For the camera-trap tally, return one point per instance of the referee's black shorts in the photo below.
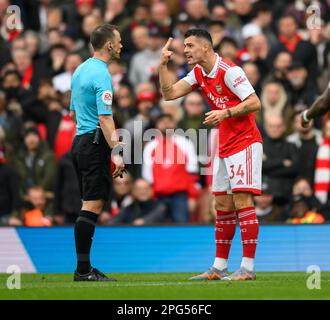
(92, 165)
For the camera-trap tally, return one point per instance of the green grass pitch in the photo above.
(163, 286)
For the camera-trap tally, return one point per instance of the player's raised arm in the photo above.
(318, 108)
(170, 90)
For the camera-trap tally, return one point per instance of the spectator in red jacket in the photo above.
(61, 129)
(170, 165)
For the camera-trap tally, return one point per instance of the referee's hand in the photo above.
(119, 166)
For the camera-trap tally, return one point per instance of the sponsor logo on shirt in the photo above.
(107, 98)
(239, 81)
(219, 102)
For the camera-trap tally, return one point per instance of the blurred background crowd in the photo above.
(283, 47)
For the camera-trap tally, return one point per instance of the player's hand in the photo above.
(304, 124)
(119, 166)
(214, 117)
(166, 53)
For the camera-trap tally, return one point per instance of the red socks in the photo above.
(224, 232)
(249, 225)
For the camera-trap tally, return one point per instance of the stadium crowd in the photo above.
(283, 47)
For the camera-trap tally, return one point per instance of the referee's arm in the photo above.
(109, 131)
(73, 115)
(72, 109)
(104, 95)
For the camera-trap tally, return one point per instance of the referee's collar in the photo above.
(97, 59)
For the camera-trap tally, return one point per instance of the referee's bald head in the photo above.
(102, 34)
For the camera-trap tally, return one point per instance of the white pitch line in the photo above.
(144, 284)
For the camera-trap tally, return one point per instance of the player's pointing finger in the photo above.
(168, 43)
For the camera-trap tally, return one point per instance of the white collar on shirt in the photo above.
(213, 72)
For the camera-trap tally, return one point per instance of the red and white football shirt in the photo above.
(171, 166)
(225, 87)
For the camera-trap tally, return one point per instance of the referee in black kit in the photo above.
(96, 140)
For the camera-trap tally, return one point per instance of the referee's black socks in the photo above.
(83, 232)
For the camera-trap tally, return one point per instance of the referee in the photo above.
(96, 140)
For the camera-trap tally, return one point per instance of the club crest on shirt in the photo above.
(218, 87)
(107, 97)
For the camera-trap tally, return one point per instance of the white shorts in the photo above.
(240, 172)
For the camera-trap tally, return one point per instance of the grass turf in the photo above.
(165, 286)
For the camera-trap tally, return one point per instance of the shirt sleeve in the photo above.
(191, 79)
(104, 93)
(237, 81)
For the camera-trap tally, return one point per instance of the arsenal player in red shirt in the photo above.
(237, 167)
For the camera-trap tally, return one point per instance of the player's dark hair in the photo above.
(199, 33)
(102, 34)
